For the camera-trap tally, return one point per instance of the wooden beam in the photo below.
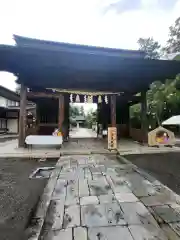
(61, 111)
(113, 110)
(22, 116)
(42, 95)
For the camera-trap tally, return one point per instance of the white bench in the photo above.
(43, 140)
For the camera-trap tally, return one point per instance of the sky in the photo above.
(107, 23)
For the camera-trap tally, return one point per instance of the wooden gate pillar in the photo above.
(66, 117)
(144, 123)
(112, 132)
(113, 110)
(99, 109)
(22, 116)
(61, 112)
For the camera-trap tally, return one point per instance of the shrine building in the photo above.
(53, 74)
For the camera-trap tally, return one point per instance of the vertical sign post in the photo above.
(112, 131)
(112, 138)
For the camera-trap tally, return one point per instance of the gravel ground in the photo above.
(19, 195)
(164, 166)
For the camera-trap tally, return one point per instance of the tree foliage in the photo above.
(163, 99)
(150, 47)
(135, 116)
(74, 111)
(173, 43)
(91, 118)
(81, 111)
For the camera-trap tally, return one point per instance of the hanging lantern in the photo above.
(77, 98)
(106, 99)
(99, 99)
(85, 99)
(71, 98)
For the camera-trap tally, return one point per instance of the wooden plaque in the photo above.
(112, 138)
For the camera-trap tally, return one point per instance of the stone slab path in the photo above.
(82, 133)
(81, 146)
(96, 197)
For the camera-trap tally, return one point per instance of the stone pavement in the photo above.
(82, 133)
(96, 197)
(128, 146)
(78, 146)
(10, 149)
(6, 137)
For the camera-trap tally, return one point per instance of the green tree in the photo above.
(91, 118)
(163, 100)
(74, 111)
(152, 50)
(173, 43)
(81, 111)
(156, 102)
(135, 115)
(150, 47)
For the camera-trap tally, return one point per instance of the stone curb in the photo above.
(137, 152)
(124, 160)
(87, 153)
(75, 153)
(38, 219)
(56, 155)
(121, 152)
(143, 173)
(15, 155)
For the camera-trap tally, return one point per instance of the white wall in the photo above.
(12, 125)
(3, 102)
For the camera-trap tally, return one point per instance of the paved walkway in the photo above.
(82, 133)
(78, 146)
(10, 149)
(96, 197)
(6, 137)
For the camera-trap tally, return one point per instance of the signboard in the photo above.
(161, 137)
(112, 138)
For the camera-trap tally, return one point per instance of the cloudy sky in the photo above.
(108, 23)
